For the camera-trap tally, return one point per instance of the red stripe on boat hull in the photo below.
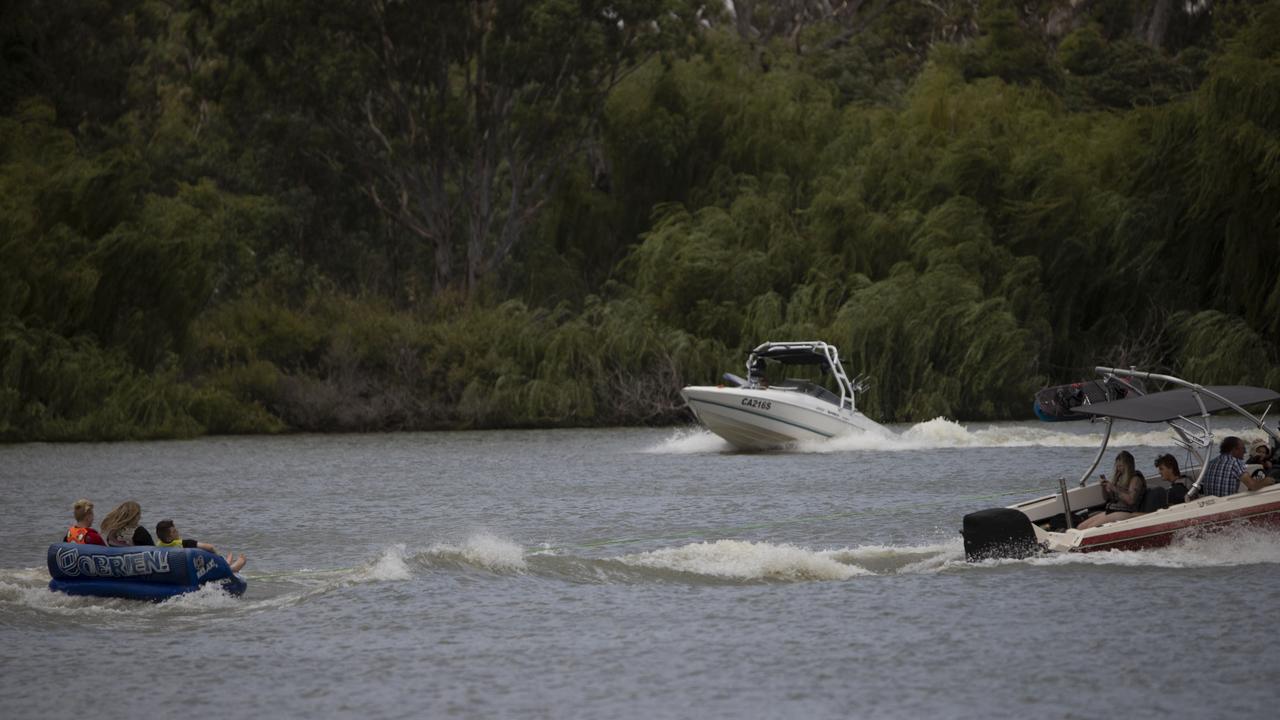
(1161, 535)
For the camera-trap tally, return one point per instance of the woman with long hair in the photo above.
(123, 526)
(1123, 493)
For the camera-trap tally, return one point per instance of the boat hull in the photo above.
(995, 535)
(1157, 529)
(762, 419)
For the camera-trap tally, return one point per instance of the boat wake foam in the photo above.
(939, 433)
(691, 441)
(28, 589)
(482, 550)
(1216, 548)
(720, 562)
(741, 560)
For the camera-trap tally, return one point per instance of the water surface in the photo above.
(628, 573)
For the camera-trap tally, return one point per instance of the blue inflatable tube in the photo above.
(140, 572)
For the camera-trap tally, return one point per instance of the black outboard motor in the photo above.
(998, 533)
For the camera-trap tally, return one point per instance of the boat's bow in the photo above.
(753, 418)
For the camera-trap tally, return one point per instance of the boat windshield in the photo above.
(809, 388)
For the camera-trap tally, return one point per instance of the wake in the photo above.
(712, 562)
(932, 435)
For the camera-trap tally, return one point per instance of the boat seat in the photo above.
(1155, 498)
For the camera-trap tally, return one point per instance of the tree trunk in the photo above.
(1156, 25)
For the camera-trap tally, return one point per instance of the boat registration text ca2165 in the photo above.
(759, 404)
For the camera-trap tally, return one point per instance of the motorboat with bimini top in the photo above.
(1048, 524)
(756, 414)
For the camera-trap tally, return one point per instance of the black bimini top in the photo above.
(1173, 404)
(793, 355)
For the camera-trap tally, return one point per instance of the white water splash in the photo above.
(29, 588)
(210, 596)
(902, 560)
(15, 592)
(690, 441)
(390, 565)
(486, 551)
(942, 433)
(1225, 547)
(741, 560)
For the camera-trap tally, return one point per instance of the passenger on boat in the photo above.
(1124, 495)
(1261, 455)
(167, 536)
(123, 526)
(82, 531)
(1225, 473)
(1167, 466)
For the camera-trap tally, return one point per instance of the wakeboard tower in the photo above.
(1048, 524)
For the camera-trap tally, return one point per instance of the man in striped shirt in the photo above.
(1226, 472)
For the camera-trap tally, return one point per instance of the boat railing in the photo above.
(847, 389)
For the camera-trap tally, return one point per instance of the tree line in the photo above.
(231, 216)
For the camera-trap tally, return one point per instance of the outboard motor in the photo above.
(998, 533)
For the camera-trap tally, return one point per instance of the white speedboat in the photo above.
(1047, 524)
(756, 414)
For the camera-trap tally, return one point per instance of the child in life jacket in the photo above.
(167, 536)
(82, 531)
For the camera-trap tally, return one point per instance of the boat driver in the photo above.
(1226, 473)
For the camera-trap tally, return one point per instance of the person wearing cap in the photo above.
(1226, 473)
(1261, 455)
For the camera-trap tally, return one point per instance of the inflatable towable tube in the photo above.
(140, 572)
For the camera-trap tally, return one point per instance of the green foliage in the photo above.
(1121, 74)
(1217, 345)
(59, 389)
(245, 217)
(1009, 48)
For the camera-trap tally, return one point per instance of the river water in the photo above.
(625, 573)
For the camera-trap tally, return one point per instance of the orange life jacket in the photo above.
(77, 534)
